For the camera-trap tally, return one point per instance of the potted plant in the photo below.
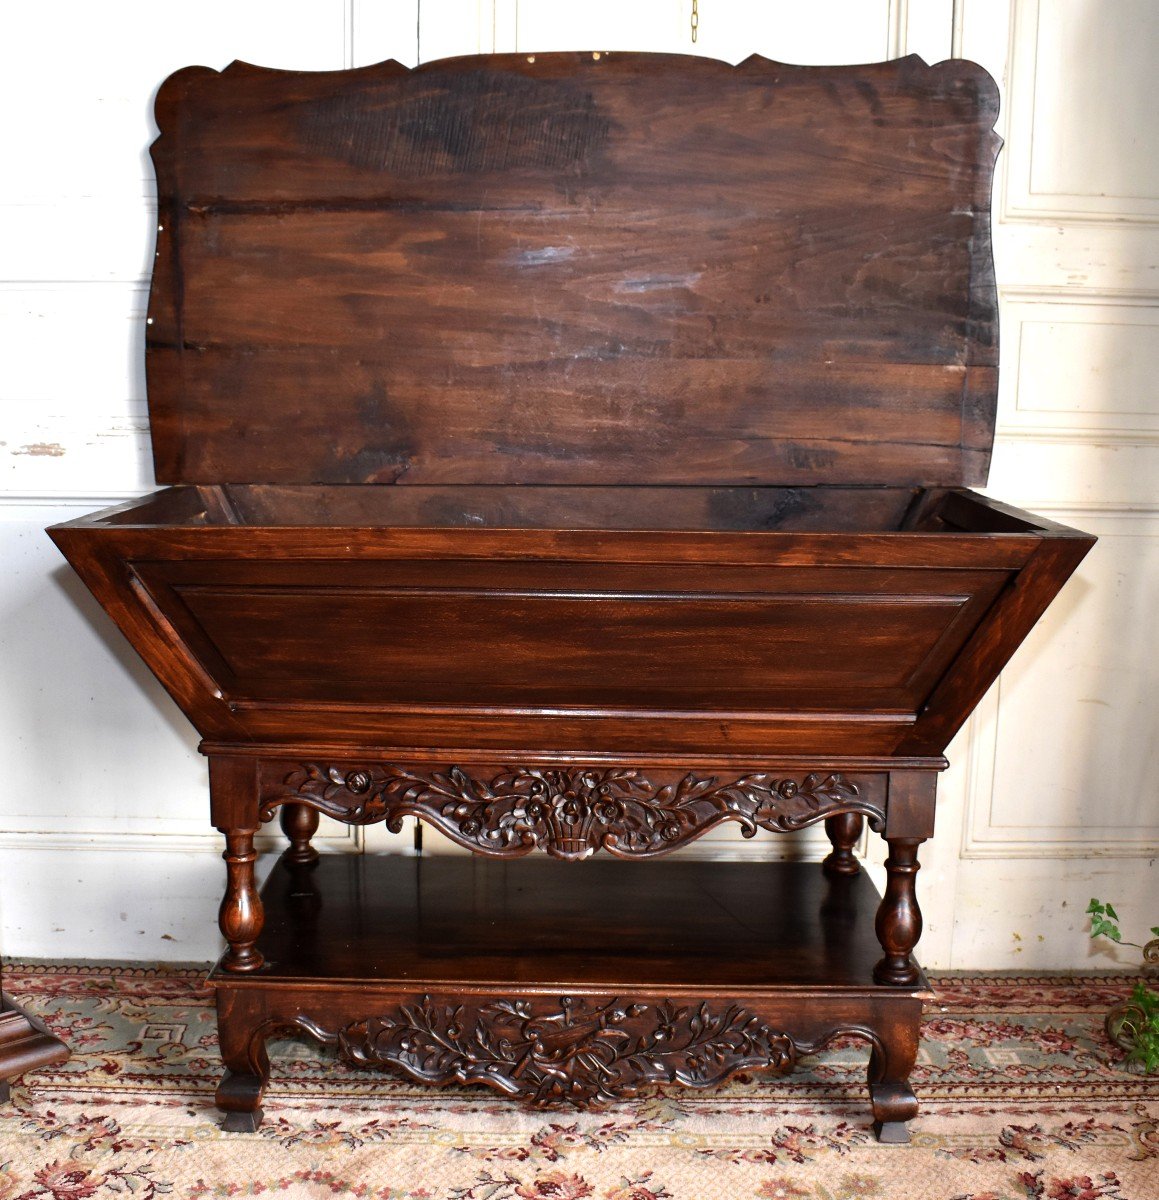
(1133, 1025)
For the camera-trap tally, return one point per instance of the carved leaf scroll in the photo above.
(570, 812)
(584, 1051)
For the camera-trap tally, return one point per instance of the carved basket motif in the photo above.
(568, 812)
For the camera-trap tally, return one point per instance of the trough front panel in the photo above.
(527, 635)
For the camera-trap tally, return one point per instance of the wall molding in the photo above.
(1072, 842)
(982, 840)
(1100, 508)
(1118, 331)
(211, 842)
(1019, 201)
(1079, 436)
(897, 21)
(89, 500)
(1077, 294)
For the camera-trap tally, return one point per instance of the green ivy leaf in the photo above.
(1095, 907)
(1111, 913)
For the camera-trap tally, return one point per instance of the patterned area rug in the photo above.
(1022, 1097)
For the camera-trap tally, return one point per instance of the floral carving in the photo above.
(568, 811)
(582, 1050)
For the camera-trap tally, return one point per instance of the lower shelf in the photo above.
(577, 983)
(453, 920)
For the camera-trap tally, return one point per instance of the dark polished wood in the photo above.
(571, 637)
(447, 920)
(467, 970)
(299, 823)
(570, 812)
(844, 831)
(25, 1044)
(564, 269)
(232, 797)
(572, 454)
(899, 919)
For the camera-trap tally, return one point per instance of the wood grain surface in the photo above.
(637, 269)
(580, 621)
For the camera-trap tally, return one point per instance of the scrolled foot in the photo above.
(239, 1096)
(247, 1066)
(894, 1102)
(891, 1133)
(242, 1122)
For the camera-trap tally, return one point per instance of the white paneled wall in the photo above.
(1053, 793)
(105, 843)
(1058, 770)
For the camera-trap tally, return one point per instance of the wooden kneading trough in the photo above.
(573, 453)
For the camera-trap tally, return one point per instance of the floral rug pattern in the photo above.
(1022, 1098)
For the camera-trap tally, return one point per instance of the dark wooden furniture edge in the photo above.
(1004, 628)
(587, 1040)
(25, 1044)
(997, 536)
(631, 1039)
(951, 509)
(928, 131)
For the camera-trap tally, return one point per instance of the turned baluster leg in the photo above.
(299, 824)
(844, 830)
(234, 803)
(909, 820)
(899, 919)
(240, 916)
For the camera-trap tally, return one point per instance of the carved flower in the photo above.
(571, 809)
(787, 789)
(555, 1186)
(358, 782)
(69, 1179)
(470, 827)
(607, 811)
(535, 811)
(670, 831)
(665, 1031)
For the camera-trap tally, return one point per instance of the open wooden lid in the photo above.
(575, 268)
